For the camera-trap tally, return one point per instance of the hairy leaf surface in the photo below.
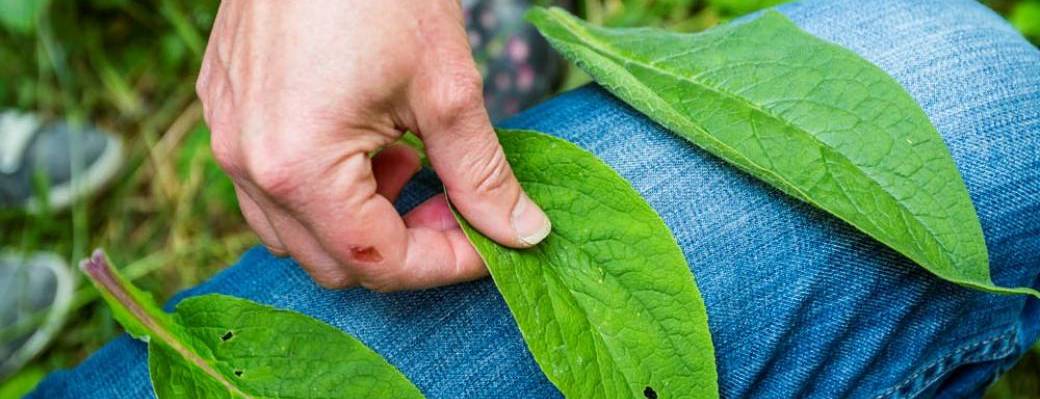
(606, 304)
(216, 346)
(806, 116)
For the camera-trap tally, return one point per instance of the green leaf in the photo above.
(1026, 18)
(806, 116)
(606, 304)
(216, 346)
(23, 382)
(741, 7)
(413, 141)
(20, 16)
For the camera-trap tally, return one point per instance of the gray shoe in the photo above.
(35, 294)
(28, 147)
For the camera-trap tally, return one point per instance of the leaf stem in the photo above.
(151, 325)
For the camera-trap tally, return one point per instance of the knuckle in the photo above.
(202, 82)
(274, 174)
(225, 152)
(273, 167)
(210, 81)
(224, 132)
(460, 94)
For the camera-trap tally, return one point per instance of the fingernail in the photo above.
(278, 252)
(530, 223)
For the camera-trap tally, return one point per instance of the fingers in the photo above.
(271, 223)
(360, 229)
(366, 236)
(464, 150)
(327, 208)
(433, 214)
(438, 251)
(437, 258)
(295, 115)
(333, 213)
(307, 250)
(259, 222)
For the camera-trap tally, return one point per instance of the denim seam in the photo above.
(939, 368)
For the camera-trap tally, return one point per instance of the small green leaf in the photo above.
(606, 304)
(1026, 18)
(806, 116)
(413, 141)
(20, 16)
(216, 346)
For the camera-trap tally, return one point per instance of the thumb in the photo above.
(464, 151)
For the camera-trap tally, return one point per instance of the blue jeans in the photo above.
(799, 303)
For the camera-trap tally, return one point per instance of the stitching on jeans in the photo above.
(940, 370)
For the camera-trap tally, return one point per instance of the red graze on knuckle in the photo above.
(365, 254)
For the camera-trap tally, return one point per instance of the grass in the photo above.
(171, 218)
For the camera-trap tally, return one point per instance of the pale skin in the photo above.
(299, 93)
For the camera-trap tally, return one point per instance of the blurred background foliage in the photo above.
(171, 219)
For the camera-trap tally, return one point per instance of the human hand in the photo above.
(299, 93)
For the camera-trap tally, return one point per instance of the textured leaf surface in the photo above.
(806, 116)
(606, 304)
(216, 346)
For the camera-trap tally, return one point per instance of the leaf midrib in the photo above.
(550, 272)
(570, 292)
(650, 214)
(167, 338)
(605, 49)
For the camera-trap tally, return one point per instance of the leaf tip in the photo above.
(539, 15)
(536, 16)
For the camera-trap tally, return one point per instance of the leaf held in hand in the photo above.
(806, 116)
(216, 346)
(606, 303)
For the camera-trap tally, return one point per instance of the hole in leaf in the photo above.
(227, 336)
(650, 393)
(238, 373)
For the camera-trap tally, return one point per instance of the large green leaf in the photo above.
(806, 116)
(216, 346)
(606, 303)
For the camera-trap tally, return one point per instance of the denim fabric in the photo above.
(799, 303)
